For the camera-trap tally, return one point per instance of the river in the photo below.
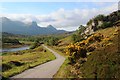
(14, 49)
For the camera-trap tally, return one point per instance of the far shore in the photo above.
(14, 45)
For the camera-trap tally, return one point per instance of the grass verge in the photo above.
(64, 71)
(56, 50)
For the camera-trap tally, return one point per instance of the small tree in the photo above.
(81, 29)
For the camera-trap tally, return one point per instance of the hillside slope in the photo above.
(104, 61)
(101, 62)
(97, 55)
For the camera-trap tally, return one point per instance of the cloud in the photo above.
(64, 19)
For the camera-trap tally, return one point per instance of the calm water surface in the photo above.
(14, 49)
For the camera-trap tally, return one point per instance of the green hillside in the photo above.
(96, 56)
(102, 62)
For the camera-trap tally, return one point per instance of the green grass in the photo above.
(108, 32)
(27, 59)
(64, 71)
(55, 48)
(65, 41)
(27, 42)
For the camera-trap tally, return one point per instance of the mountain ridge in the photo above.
(18, 27)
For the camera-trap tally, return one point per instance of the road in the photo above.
(46, 70)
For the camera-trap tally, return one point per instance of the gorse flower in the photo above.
(79, 49)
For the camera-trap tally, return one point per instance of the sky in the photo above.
(62, 15)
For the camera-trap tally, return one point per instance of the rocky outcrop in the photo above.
(101, 22)
(91, 28)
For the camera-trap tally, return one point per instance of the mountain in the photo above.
(18, 27)
(50, 27)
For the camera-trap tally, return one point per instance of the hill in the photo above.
(101, 59)
(18, 27)
(96, 56)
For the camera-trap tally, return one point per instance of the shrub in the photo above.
(35, 44)
(16, 63)
(100, 17)
(83, 53)
(5, 67)
(90, 39)
(45, 50)
(90, 48)
(79, 49)
(98, 37)
(93, 38)
(106, 24)
(81, 29)
(76, 51)
(71, 59)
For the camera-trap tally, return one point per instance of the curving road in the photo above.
(46, 70)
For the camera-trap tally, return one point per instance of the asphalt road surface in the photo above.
(46, 70)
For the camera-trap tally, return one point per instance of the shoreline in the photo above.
(9, 46)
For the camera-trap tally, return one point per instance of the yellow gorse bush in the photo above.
(79, 49)
(93, 38)
(76, 50)
(106, 39)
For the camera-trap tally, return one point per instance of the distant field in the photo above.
(17, 62)
(27, 42)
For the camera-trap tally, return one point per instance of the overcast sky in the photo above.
(62, 15)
